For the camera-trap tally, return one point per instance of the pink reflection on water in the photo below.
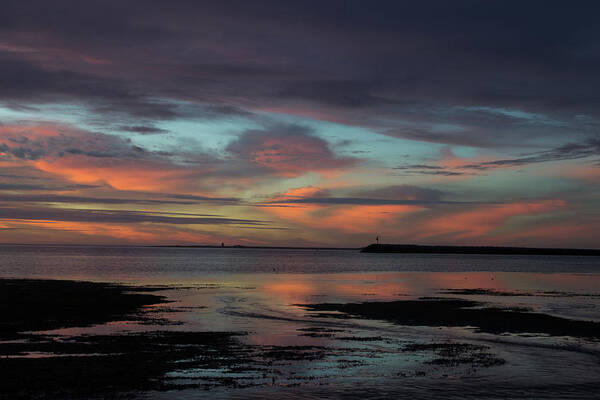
(369, 286)
(265, 304)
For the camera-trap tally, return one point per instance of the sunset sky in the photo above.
(307, 123)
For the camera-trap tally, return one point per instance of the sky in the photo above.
(304, 123)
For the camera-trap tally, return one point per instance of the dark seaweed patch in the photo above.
(494, 292)
(34, 305)
(452, 354)
(360, 338)
(107, 364)
(462, 313)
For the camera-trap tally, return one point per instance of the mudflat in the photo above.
(458, 312)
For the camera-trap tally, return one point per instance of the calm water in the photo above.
(259, 291)
(182, 264)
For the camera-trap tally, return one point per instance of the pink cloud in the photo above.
(287, 151)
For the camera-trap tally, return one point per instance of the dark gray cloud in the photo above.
(442, 172)
(144, 130)
(23, 81)
(389, 195)
(406, 192)
(569, 151)
(24, 153)
(23, 142)
(426, 169)
(367, 201)
(336, 93)
(195, 198)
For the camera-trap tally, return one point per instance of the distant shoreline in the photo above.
(206, 246)
(414, 248)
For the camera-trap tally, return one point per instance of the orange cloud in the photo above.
(301, 192)
(478, 222)
(89, 158)
(129, 233)
(121, 174)
(346, 218)
(30, 131)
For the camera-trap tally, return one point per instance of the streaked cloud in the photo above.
(117, 216)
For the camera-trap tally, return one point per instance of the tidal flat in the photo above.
(305, 336)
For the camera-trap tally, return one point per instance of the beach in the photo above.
(254, 334)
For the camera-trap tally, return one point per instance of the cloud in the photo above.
(570, 151)
(300, 193)
(425, 169)
(388, 195)
(341, 218)
(27, 187)
(476, 223)
(95, 158)
(287, 150)
(195, 198)
(35, 141)
(364, 201)
(121, 174)
(23, 81)
(409, 76)
(144, 130)
(50, 198)
(318, 209)
(336, 93)
(21, 152)
(404, 192)
(118, 217)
